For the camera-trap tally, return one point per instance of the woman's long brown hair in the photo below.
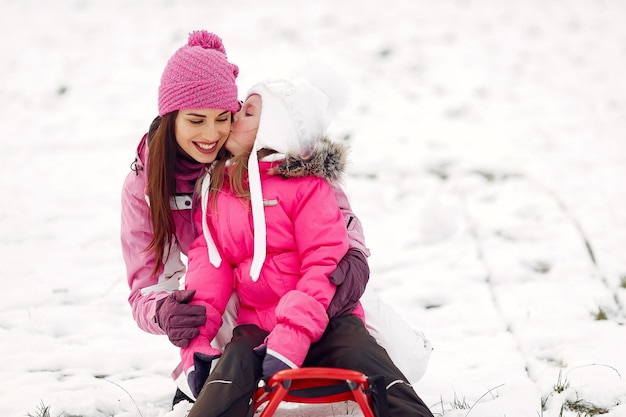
(161, 186)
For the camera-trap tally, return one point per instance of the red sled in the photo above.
(314, 386)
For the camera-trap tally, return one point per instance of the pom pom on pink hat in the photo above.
(199, 76)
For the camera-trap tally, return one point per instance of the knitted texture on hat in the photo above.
(294, 113)
(199, 76)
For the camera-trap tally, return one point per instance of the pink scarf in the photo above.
(187, 172)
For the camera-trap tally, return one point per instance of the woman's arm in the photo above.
(352, 222)
(136, 234)
(352, 273)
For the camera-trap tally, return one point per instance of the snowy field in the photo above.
(488, 166)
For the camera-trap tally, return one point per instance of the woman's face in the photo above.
(202, 132)
(245, 126)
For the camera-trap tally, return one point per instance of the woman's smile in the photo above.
(206, 147)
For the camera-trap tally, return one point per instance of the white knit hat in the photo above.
(294, 114)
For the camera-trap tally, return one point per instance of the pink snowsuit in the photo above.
(306, 238)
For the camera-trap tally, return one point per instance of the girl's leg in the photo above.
(230, 386)
(347, 344)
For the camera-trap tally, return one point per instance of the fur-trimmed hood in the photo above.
(326, 159)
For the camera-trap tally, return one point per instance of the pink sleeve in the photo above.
(213, 288)
(321, 238)
(213, 285)
(136, 234)
(353, 224)
(322, 241)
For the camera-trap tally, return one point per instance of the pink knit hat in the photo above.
(198, 76)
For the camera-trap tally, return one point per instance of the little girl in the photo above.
(272, 231)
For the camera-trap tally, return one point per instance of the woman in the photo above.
(271, 230)
(158, 201)
(157, 196)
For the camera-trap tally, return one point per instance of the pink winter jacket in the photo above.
(306, 238)
(136, 234)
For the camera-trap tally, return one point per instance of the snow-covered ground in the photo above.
(488, 163)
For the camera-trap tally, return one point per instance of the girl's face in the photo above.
(245, 126)
(202, 132)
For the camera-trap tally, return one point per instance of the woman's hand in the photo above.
(350, 277)
(179, 319)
